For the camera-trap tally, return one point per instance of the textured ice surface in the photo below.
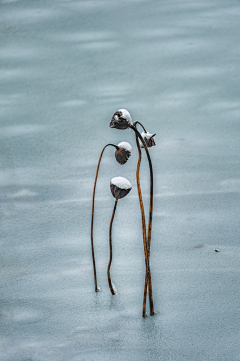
(65, 67)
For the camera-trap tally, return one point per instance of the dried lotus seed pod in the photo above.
(123, 152)
(121, 119)
(120, 187)
(148, 139)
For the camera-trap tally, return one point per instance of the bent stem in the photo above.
(137, 122)
(148, 241)
(92, 218)
(110, 250)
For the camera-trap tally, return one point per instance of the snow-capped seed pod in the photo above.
(148, 139)
(120, 187)
(121, 119)
(123, 152)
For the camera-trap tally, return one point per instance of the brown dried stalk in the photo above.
(147, 241)
(93, 198)
(110, 250)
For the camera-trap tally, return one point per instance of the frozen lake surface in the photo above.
(65, 68)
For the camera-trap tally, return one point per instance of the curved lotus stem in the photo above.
(93, 198)
(148, 241)
(110, 250)
(137, 122)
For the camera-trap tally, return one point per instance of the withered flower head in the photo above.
(121, 119)
(120, 187)
(123, 152)
(148, 139)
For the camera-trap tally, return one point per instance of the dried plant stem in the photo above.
(148, 281)
(92, 218)
(148, 241)
(110, 250)
(137, 122)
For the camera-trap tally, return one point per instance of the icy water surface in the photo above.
(65, 68)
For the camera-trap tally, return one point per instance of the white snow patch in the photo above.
(24, 193)
(125, 145)
(121, 182)
(126, 115)
(144, 135)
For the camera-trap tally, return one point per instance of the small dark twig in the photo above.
(110, 250)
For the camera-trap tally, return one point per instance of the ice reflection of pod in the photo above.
(120, 187)
(122, 153)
